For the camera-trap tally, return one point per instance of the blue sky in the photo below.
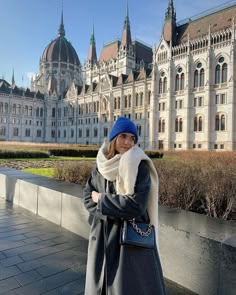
(28, 26)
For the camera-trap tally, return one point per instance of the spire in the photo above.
(169, 28)
(61, 31)
(126, 34)
(13, 79)
(170, 12)
(92, 54)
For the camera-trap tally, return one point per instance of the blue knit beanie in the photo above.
(123, 125)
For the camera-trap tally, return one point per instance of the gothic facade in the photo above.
(180, 94)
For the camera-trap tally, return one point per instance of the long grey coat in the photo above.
(124, 270)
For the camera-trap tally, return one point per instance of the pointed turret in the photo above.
(126, 40)
(61, 31)
(13, 84)
(169, 29)
(170, 12)
(92, 54)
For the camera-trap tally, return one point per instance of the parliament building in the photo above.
(180, 94)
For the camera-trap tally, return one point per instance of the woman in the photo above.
(123, 185)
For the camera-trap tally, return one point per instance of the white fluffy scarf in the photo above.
(124, 169)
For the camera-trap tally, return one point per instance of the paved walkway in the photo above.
(39, 257)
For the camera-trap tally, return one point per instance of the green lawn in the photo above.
(49, 172)
(49, 159)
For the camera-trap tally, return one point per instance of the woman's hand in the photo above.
(95, 196)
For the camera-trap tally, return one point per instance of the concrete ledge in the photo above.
(228, 267)
(74, 216)
(194, 252)
(197, 252)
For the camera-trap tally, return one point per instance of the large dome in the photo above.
(60, 50)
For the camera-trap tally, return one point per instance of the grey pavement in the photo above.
(39, 257)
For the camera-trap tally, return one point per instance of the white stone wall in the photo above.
(145, 112)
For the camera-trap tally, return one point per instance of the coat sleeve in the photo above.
(89, 204)
(128, 206)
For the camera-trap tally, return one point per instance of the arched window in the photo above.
(105, 131)
(221, 71)
(87, 132)
(195, 124)
(199, 76)
(86, 109)
(195, 84)
(141, 99)
(177, 83)
(159, 125)
(176, 125)
(95, 132)
(37, 112)
(160, 85)
(30, 111)
(104, 102)
(217, 123)
(217, 74)
(53, 133)
(180, 125)
(27, 132)
(200, 124)
(53, 112)
(6, 107)
(136, 100)
(182, 81)
(224, 73)
(18, 109)
(118, 103)
(222, 122)
(2, 131)
(15, 131)
(129, 101)
(149, 97)
(80, 132)
(179, 80)
(126, 101)
(14, 109)
(202, 72)
(165, 85)
(139, 130)
(163, 126)
(26, 111)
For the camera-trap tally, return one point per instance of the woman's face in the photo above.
(124, 141)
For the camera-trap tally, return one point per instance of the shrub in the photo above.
(154, 154)
(73, 153)
(200, 182)
(6, 154)
(76, 172)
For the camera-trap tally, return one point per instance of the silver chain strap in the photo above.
(139, 230)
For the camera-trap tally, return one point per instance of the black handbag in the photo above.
(137, 234)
